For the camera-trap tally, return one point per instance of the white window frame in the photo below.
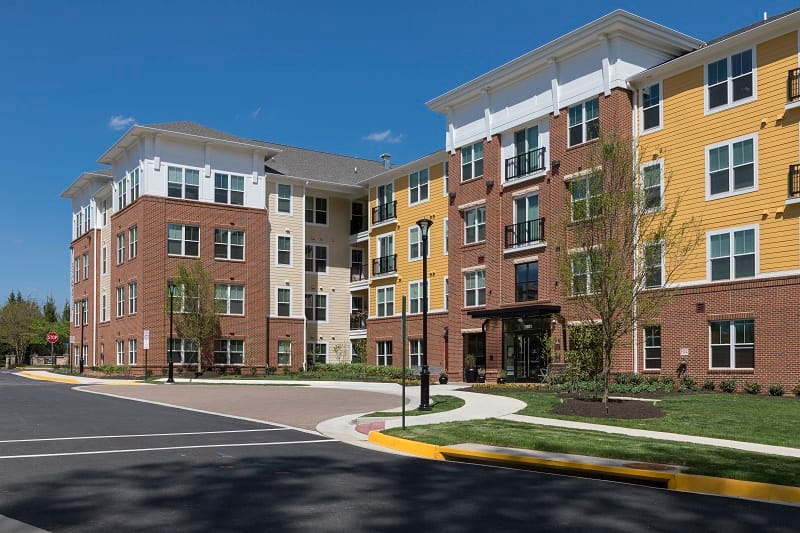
(104, 307)
(120, 352)
(645, 339)
(588, 179)
(445, 235)
(732, 345)
(120, 301)
(183, 241)
(415, 239)
(315, 307)
(731, 252)
(120, 248)
(731, 191)
(179, 349)
(76, 270)
(416, 303)
(85, 311)
(278, 250)
(314, 248)
(585, 275)
(315, 351)
(383, 353)
(473, 161)
(104, 259)
(446, 292)
(132, 347)
(414, 352)
(583, 122)
(316, 211)
(643, 170)
(226, 345)
(133, 242)
(183, 183)
(661, 263)
(133, 297)
(387, 302)
(288, 353)
(227, 233)
(729, 81)
(278, 198)
(278, 291)
(134, 177)
(659, 105)
(476, 226)
(419, 182)
(446, 178)
(477, 289)
(85, 260)
(227, 188)
(227, 299)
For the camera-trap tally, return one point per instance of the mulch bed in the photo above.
(590, 408)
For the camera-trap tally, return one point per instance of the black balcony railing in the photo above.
(793, 85)
(526, 163)
(358, 223)
(384, 265)
(524, 233)
(384, 212)
(358, 320)
(358, 273)
(794, 181)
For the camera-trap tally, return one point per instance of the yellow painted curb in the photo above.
(675, 481)
(50, 378)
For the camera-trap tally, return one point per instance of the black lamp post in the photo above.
(171, 288)
(425, 387)
(83, 325)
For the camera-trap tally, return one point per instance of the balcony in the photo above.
(524, 164)
(525, 233)
(793, 86)
(384, 265)
(384, 212)
(794, 181)
(358, 223)
(358, 320)
(358, 273)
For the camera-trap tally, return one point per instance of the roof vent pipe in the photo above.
(386, 161)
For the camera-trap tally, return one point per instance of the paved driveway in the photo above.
(297, 406)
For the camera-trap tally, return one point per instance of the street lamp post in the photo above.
(83, 324)
(171, 288)
(425, 375)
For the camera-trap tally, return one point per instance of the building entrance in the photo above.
(525, 343)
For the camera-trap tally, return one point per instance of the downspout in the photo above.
(268, 270)
(303, 292)
(94, 298)
(635, 129)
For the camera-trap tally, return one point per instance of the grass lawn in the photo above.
(700, 460)
(743, 417)
(439, 404)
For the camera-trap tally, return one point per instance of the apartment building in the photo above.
(518, 138)
(718, 131)
(398, 198)
(265, 220)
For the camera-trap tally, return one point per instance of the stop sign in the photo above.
(52, 337)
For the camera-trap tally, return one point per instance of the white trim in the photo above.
(729, 82)
(729, 143)
(291, 198)
(445, 236)
(319, 292)
(314, 246)
(648, 164)
(582, 173)
(471, 205)
(277, 301)
(420, 200)
(291, 255)
(640, 111)
(327, 210)
(731, 231)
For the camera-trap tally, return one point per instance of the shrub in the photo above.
(727, 385)
(668, 383)
(709, 385)
(752, 387)
(629, 378)
(776, 389)
(688, 383)
(796, 390)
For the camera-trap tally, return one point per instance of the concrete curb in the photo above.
(669, 480)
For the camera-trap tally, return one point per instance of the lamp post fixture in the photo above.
(171, 288)
(425, 387)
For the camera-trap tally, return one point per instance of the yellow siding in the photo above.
(686, 133)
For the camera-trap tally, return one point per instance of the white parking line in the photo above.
(134, 450)
(142, 435)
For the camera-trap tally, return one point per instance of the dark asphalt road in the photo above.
(289, 480)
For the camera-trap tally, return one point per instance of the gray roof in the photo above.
(322, 166)
(192, 128)
(752, 26)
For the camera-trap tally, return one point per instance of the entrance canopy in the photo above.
(532, 310)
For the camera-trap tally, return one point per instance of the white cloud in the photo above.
(119, 122)
(384, 136)
(255, 113)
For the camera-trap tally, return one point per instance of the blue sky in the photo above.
(349, 77)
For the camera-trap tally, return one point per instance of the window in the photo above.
(475, 288)
(87, 218)
(187, 301)
(228, 244)
(418, 186)
(120, 301)
(583, 264)
(228, 189)
(85, 266)
(85, 312)
(76, 277)
(472, 161)
(228, 352)
(652, 177)
(446, 177)
(731, 167)
(385, 209)
(132, 345)
(414, 352)
(386, 261)
(184, 352)
(316, 210)
(526, 279)
(316, 258)
(78, 224)
(229, 299)
(76, 314)
(284, 198)
(415, 297)
(742, 262)
(316, 307)
(446, 293)
(284, 250)
(446, 236)
(651, 107)
(586, 197)
(104, 307)
(105, 213)
(653, 264)
(183, 240)
(284, 353)
(122, 193)
(528, 227)
(528, 157)
(133, 295)
(475, 225)
(134, 186)
(316, 352)
(584, 122)
(284, 301)
(104, 259)
(133, 247)
(183, 183)
(729, 80)
(120, 248)
(652, 347)
(415, 243)
(120, 353)
(732, 344)
(384, 298)
(384, 353)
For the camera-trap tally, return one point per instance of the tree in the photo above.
(616, 235)
(17, 319)
(195, 312)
